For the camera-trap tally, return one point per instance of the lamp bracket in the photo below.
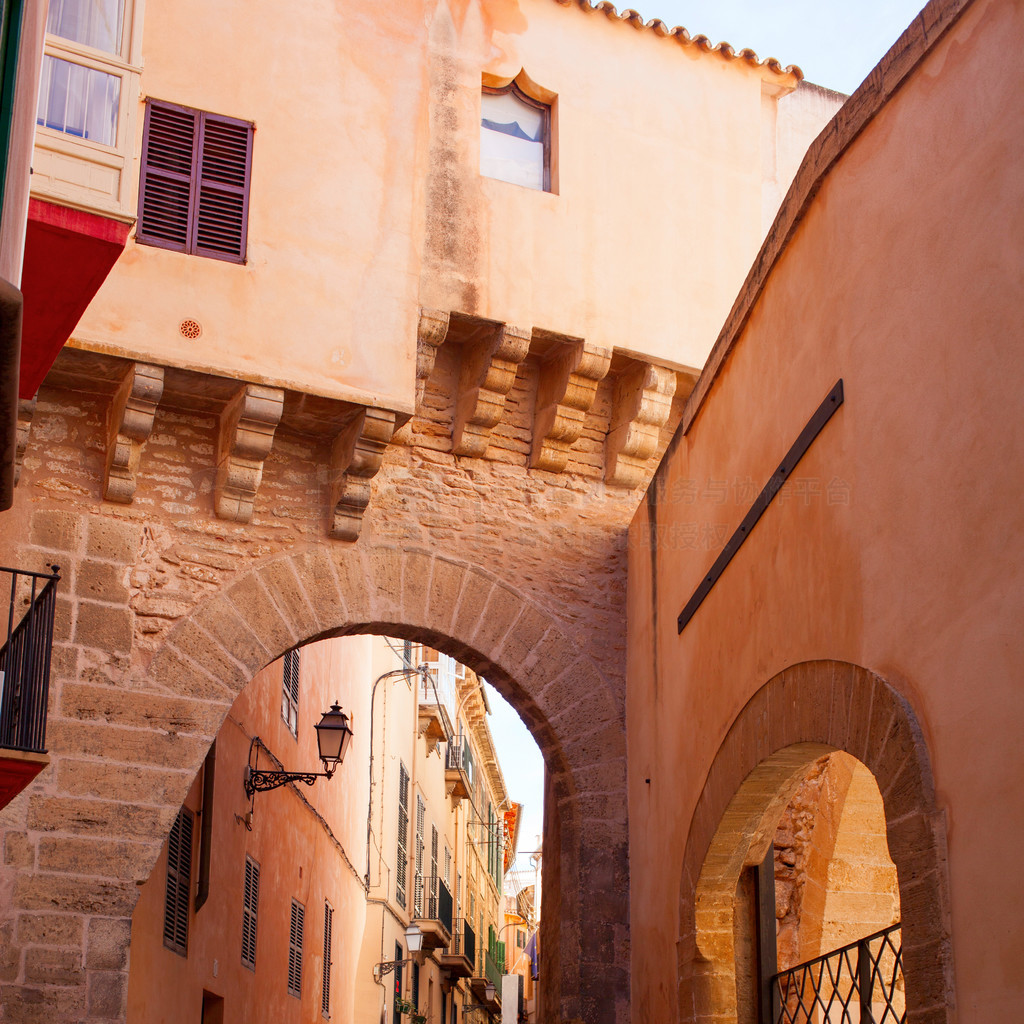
(383, 969)
(259, 781)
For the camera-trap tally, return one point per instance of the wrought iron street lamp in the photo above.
(414, 943)
(333, 736)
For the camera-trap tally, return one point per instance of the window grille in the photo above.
(325, 992)
(250, 903)
(194, 191)
(179, 878)
(290, 692)
(295, 949)
(401, 867)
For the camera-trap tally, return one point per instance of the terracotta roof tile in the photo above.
(682, 36)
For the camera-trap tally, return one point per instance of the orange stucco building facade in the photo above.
(874, 606)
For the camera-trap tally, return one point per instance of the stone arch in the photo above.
(804, 712)
(561, 694)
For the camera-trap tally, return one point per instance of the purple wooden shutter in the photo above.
(194, 190)
(225, 153)
(170, 145)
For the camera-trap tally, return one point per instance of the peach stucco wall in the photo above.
(298, 859)
(896, 545)
(367, 202)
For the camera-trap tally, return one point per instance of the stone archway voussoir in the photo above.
(220, 619)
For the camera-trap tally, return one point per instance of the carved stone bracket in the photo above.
(488, 372)
(247, 426)
(430, 333)
(129, 425)
(26, 410)
(643, 402)
(565, 394)
(355, 460)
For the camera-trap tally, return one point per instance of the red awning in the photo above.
(68, 254)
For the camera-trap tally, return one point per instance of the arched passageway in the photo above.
(802, 715)
(181, 696)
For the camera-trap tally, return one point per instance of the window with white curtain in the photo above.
(79, 101)
(95, 23)
(515, 138)
(80, 90)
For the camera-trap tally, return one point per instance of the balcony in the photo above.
(432, 911)
(491, 977)
(461, 955)
(25, 678)
(458, 770)
(435, 723)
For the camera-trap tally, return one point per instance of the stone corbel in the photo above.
(356, 458)
(430, 333)
(129, 425)
(247, 426)
(26, 410)
(565, 394)
(488, 372)
(643, 402)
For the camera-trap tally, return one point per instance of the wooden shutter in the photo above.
(403, 835)
(290, 692)
(170, 146)
(194, 189)
(421, 814)
(325, 993)
(250, 904)
(222, 201)
(295, 949)
(179, 877)
(433, 871)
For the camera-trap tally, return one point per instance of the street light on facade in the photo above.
(333, 737)
(413, 942)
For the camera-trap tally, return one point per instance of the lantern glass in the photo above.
(414, 938)
(333, 736)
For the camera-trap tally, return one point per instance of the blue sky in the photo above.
(522, 766)
(835, 44)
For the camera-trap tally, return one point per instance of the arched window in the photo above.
(515, 138)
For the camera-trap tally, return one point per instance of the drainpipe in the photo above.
(395, 672)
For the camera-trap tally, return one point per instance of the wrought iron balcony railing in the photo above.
(432, 901)
(492, 972)
(861, 983)
(463, 940)
(460, 756)
(25, 659)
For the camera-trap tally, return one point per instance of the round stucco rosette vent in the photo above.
(189, 328)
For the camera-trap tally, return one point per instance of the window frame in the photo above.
(191, 245)
(545, 109)
(124, 65)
